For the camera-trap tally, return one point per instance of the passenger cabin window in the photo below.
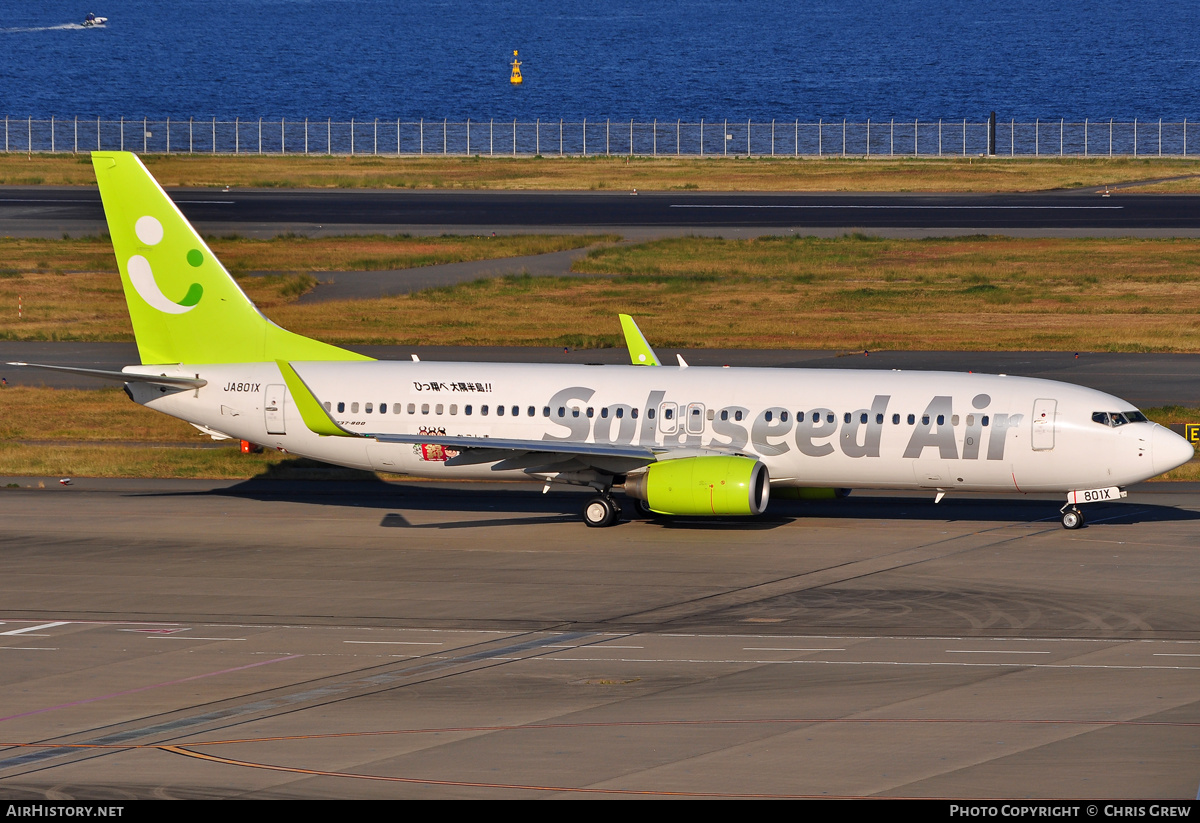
(454, 408)
(354, 408)
(499, 411)
(483, 410)
(438, 408)
(532, 411)
(546, 411)
(412, 408)
(895, 420)
(912, 419)
(424, 408)
(467, 409)
(369, 407)
(328, 406)
(383, 408)
(341, 407)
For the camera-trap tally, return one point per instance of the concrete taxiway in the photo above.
(200, 639)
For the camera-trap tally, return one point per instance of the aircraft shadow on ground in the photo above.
(516, 505)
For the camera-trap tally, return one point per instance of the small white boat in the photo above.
(93, 20)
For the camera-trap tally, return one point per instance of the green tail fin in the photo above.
(184, 305)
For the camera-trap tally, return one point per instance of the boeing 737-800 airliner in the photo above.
(679, 440)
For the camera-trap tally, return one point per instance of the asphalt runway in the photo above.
(268, 640)
(51, 211)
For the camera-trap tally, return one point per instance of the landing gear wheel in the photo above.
(600, 511)
(1072, 518)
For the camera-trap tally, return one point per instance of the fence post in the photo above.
(214, 140)
(191, 135)
(260, 135)
(123, 132)
(491, 137)
(51, 134)
(631, 137)
(282, 135)
(446, 140)
(1185, 137)
(607, 130)
(797, 149)
(6, 133)
(655, 127)
(1135, 137)
(468, 138)
(772, 136)
(868, 137)
(398, 135)
(747, 138)
(1060, 137)
(892, 139)
(514, 137)
(725, 137)
(916, 151)
(97, 133)
(306, 136)
(168, 134)
(560, 137)
(843, 137)
(351, 136)
(701, 136)
(1012, 137)
(964, 137)
(76, 150)
(422, 136)
(1160, 137)
(939, 137)
(585, 137)
(537, 137)
(329, 137)
(677, 122)
(1085, 137)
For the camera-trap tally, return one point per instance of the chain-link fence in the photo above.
(658, 138)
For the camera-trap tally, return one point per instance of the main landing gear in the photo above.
(601, 510)
(1072, 517)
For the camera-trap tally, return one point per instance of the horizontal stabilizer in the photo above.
(123, 376)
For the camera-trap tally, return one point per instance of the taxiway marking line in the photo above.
(35, 628)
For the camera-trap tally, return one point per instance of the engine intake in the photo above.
(709, 485)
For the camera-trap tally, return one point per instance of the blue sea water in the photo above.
(622, 59)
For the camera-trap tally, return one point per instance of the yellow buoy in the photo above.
(515, 79)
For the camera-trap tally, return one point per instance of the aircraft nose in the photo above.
(1168, 450)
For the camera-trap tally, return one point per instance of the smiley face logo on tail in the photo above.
(150, 231)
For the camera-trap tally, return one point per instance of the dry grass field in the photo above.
(847, 293)
(978, 174)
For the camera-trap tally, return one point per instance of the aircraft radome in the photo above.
(679, 440)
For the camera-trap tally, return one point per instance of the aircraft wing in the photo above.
(532, 455)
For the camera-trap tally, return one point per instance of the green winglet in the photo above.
(312, 412)
(639, 350)
(184, 306)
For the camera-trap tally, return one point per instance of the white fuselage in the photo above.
(811, 427)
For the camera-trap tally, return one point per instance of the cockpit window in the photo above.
(1118, 418)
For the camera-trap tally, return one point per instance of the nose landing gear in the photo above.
(1072, 517)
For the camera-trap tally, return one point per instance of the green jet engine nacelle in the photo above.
(708, 485)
